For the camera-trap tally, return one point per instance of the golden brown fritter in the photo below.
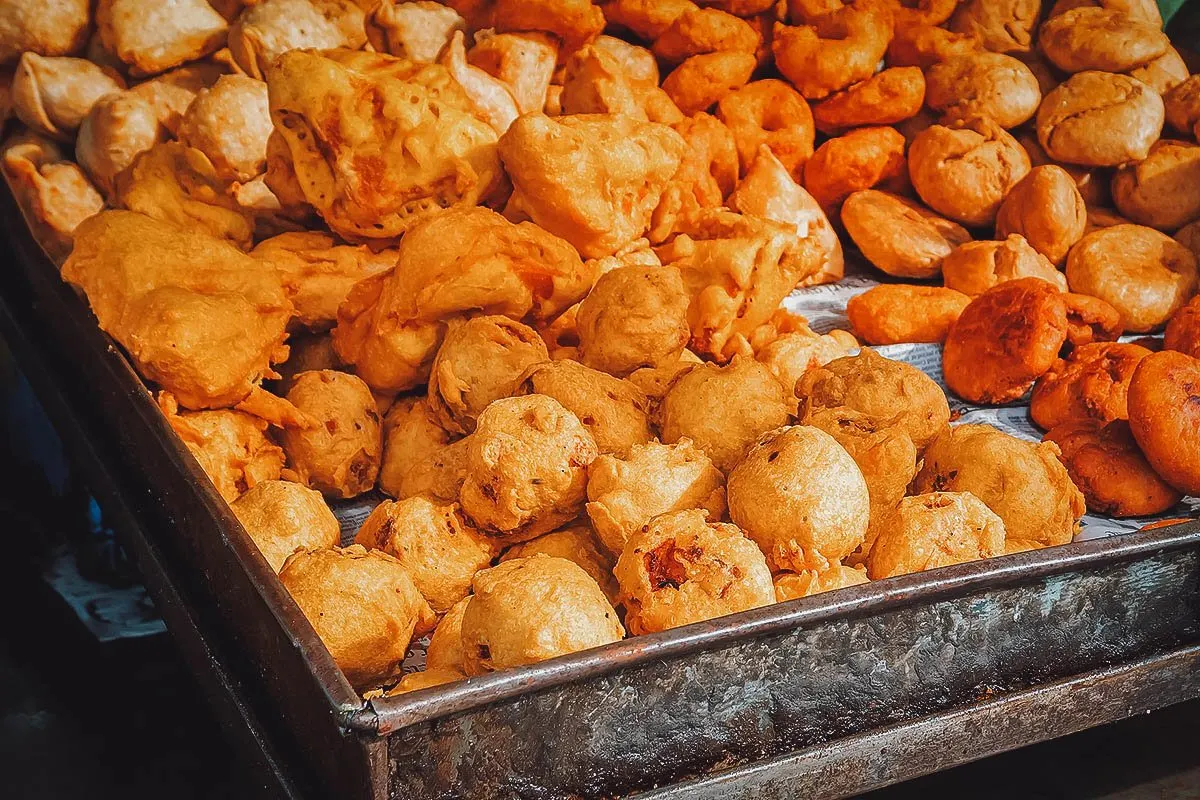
(268, 29)
(419, 456)
(1089, 385)
(340, 455)
(1047, 209)
(576, 543)
(1164, 415)
(935, 530)
(794, 585)
(1098, 119)
(975, 267)
(896, 313)
(899, 236)
(634, 317)
(49, 29)
(282, 517)
(53, 95)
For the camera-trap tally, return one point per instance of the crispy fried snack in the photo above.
(1092, 182)
(230, 124)
(1025, 484)
(723, 409)
(480, 360)
(435, 543)
(530, 609)
(574, 22)
(352, 122)
(268, 29)
(117, 128)
(648, 19)
(592, 179)
(1162, 191)
(418, 456)
(55, 29)
(154, 37)
(595, 82)
(417, 30)
(769, 191)
(1141, 10)
(889, 392)
(460, 261)
(793, 585)
(576, 543)
(680, 568)
(613, 411)
(1107, 466)
(984, 85)
(1146, 275)
(1163, 411)
(625, 494)
(1098, 119)
(1004, 340)
(177, 184)
(701, 81)
(790, 355)
(706, 174)
(230, 446)
(655, 381)
(340, 456)
(491, 99)
(889, 96)
(1002, 26)
(898, 236)
(53, 95)
(1181, 105)
(704, 30)
(445, 650)
(769, 112)
(1090, 319)
(524, 61)
(171, 93)
(884, 453)
(318, 272)
(897, 313)
(526, 471)
(1183, 331)
(195, 313)
(935, 530)
(53, 193)
(1047, 209)
(634, 317)
(801, 497)
(1163, 73)
(1089, 385)
(975, 267)
(362, 604)
(1100, 39)
(965, 168)
(859, 160)
(838, 49)
(917, 45)
(282, 517)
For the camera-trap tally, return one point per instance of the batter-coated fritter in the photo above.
(794, 585)
(282, 517)
(975, 267)
(935, 530)
(1164, 415)
(339, 456)
(576, 543)
(1089, 385)
(634, 317)
(897, 313)
(413, 443)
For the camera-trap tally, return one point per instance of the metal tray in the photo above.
(821, 697)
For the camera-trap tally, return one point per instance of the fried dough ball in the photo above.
(1090, 385)
(983, 85)
(282, 517)
(889, 392)
(899, 313)
(340, 456)
(891, 95)
(1163, 415)
(418, 454)
(703, 80)
(1098, 119)
(1146, 275)
(578, 544)
(306, 351)
(898, 236)
(1025, 484)
(965, 168)
(230, 124)
(634, 317)
(439, 548)
(268, 29)
(490, 99)
(1046, 208)
(480, 360)
(1090, 319)
(1002, 26)
(172, 92)
(1163, 190)
(445, 652)
(790, 355)
(801, 497)
(844, 48)
(704, 30)
(723, 409)
(916, 45)
(414, 30)
(574, 22)
(625, 494)
(53, 193)
(769, 112)
(592, 179)
(655, 381)
(153, 37)
(935, 530)
(178, 184)
(53, 95)
(1183, 331)
(526, 471)
(975, 267)
(884, 453)
(1092, 183)
(1163, 73)
(595, 82)
(793, 586)
(230, 446)
(1100, 39)
(529, 609)
(1182, 105)
(648, 19)
(362, 604)
(524, 61)
(380, 109)
(49, 29)
(1107, 466)
(1004, 340)
(858, 160)
(613, 411)
(117, 128)
(680, 568)
(1141, 10)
